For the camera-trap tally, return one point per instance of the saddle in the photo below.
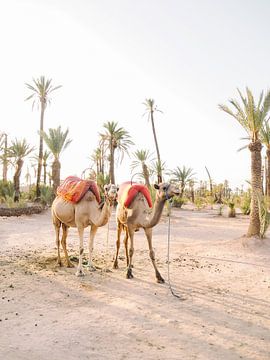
(73, 189)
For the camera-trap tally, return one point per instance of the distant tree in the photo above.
(182, 175)
(116, 139)
(150, 109)
(57, 142)
(45, 158)
(41, 90)
(141, 159)
(18, 151)
(265, 139)
(251, 117)
(3, 156)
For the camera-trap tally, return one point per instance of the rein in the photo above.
(168, 250)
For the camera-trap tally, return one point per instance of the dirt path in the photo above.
(47, 312)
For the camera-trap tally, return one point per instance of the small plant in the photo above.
(210, 200)
(46, 195)
(231, 205)
(10, 203)
(264, 215)
(6, 190)
(199, 202)
(245, 203)
(220, 209)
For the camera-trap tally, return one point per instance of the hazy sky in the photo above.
(109, 55)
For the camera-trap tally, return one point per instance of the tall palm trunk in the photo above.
(267, 165)
(111, 170)
(44, 173)
(256, 186)
(159, 175)
(56, 167)
(16, 180)
(5, 161)
(40, 154)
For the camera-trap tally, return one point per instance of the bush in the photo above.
(6, 190)
(178, 201)
(46, 194)
(245, 203)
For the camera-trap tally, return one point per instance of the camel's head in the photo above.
(110, 192)
(166, 191)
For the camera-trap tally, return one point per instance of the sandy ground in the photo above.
(224, 288)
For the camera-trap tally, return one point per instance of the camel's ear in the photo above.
(156, 186)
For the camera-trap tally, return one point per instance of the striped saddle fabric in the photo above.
(73, 189)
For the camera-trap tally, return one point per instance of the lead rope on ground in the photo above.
(168, 252)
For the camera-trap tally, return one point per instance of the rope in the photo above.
(105, 269)
(168, 254)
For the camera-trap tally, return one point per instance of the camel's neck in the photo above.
(104, 214)
(156, 213)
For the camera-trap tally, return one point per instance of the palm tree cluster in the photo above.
(114, 143)
(254, 118)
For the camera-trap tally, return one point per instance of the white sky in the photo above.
(111, 55)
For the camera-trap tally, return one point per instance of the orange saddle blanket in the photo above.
(74, 188)
(128, 190)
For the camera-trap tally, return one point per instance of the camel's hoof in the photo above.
(70, 265)
(115, 266)
(80, 273)
(160, 280)
(129, 274)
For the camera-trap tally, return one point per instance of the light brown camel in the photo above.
(140, 215)
(87, 212)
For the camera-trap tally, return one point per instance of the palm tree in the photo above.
(142, 156)
(115, 138)
(265, 139)
(57, 142)
(182, 175)
(45, 158)
(41, 90)
(251, 117)
(150, 109)
(18, 150)
(4, 157)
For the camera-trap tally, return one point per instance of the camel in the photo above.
(140, 215)
(87, 212)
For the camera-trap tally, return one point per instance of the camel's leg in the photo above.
(79, 271)
(119, 230)
(64, 244)
(131, 252)
(93, 232)
(148, 233)
(57, 226)
(126, 245)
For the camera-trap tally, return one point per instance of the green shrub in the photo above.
(245, 203)
(199, 202)
(6, 190)
(178, 201)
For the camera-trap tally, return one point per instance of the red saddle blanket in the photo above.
(73, 189)
(128, 190)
